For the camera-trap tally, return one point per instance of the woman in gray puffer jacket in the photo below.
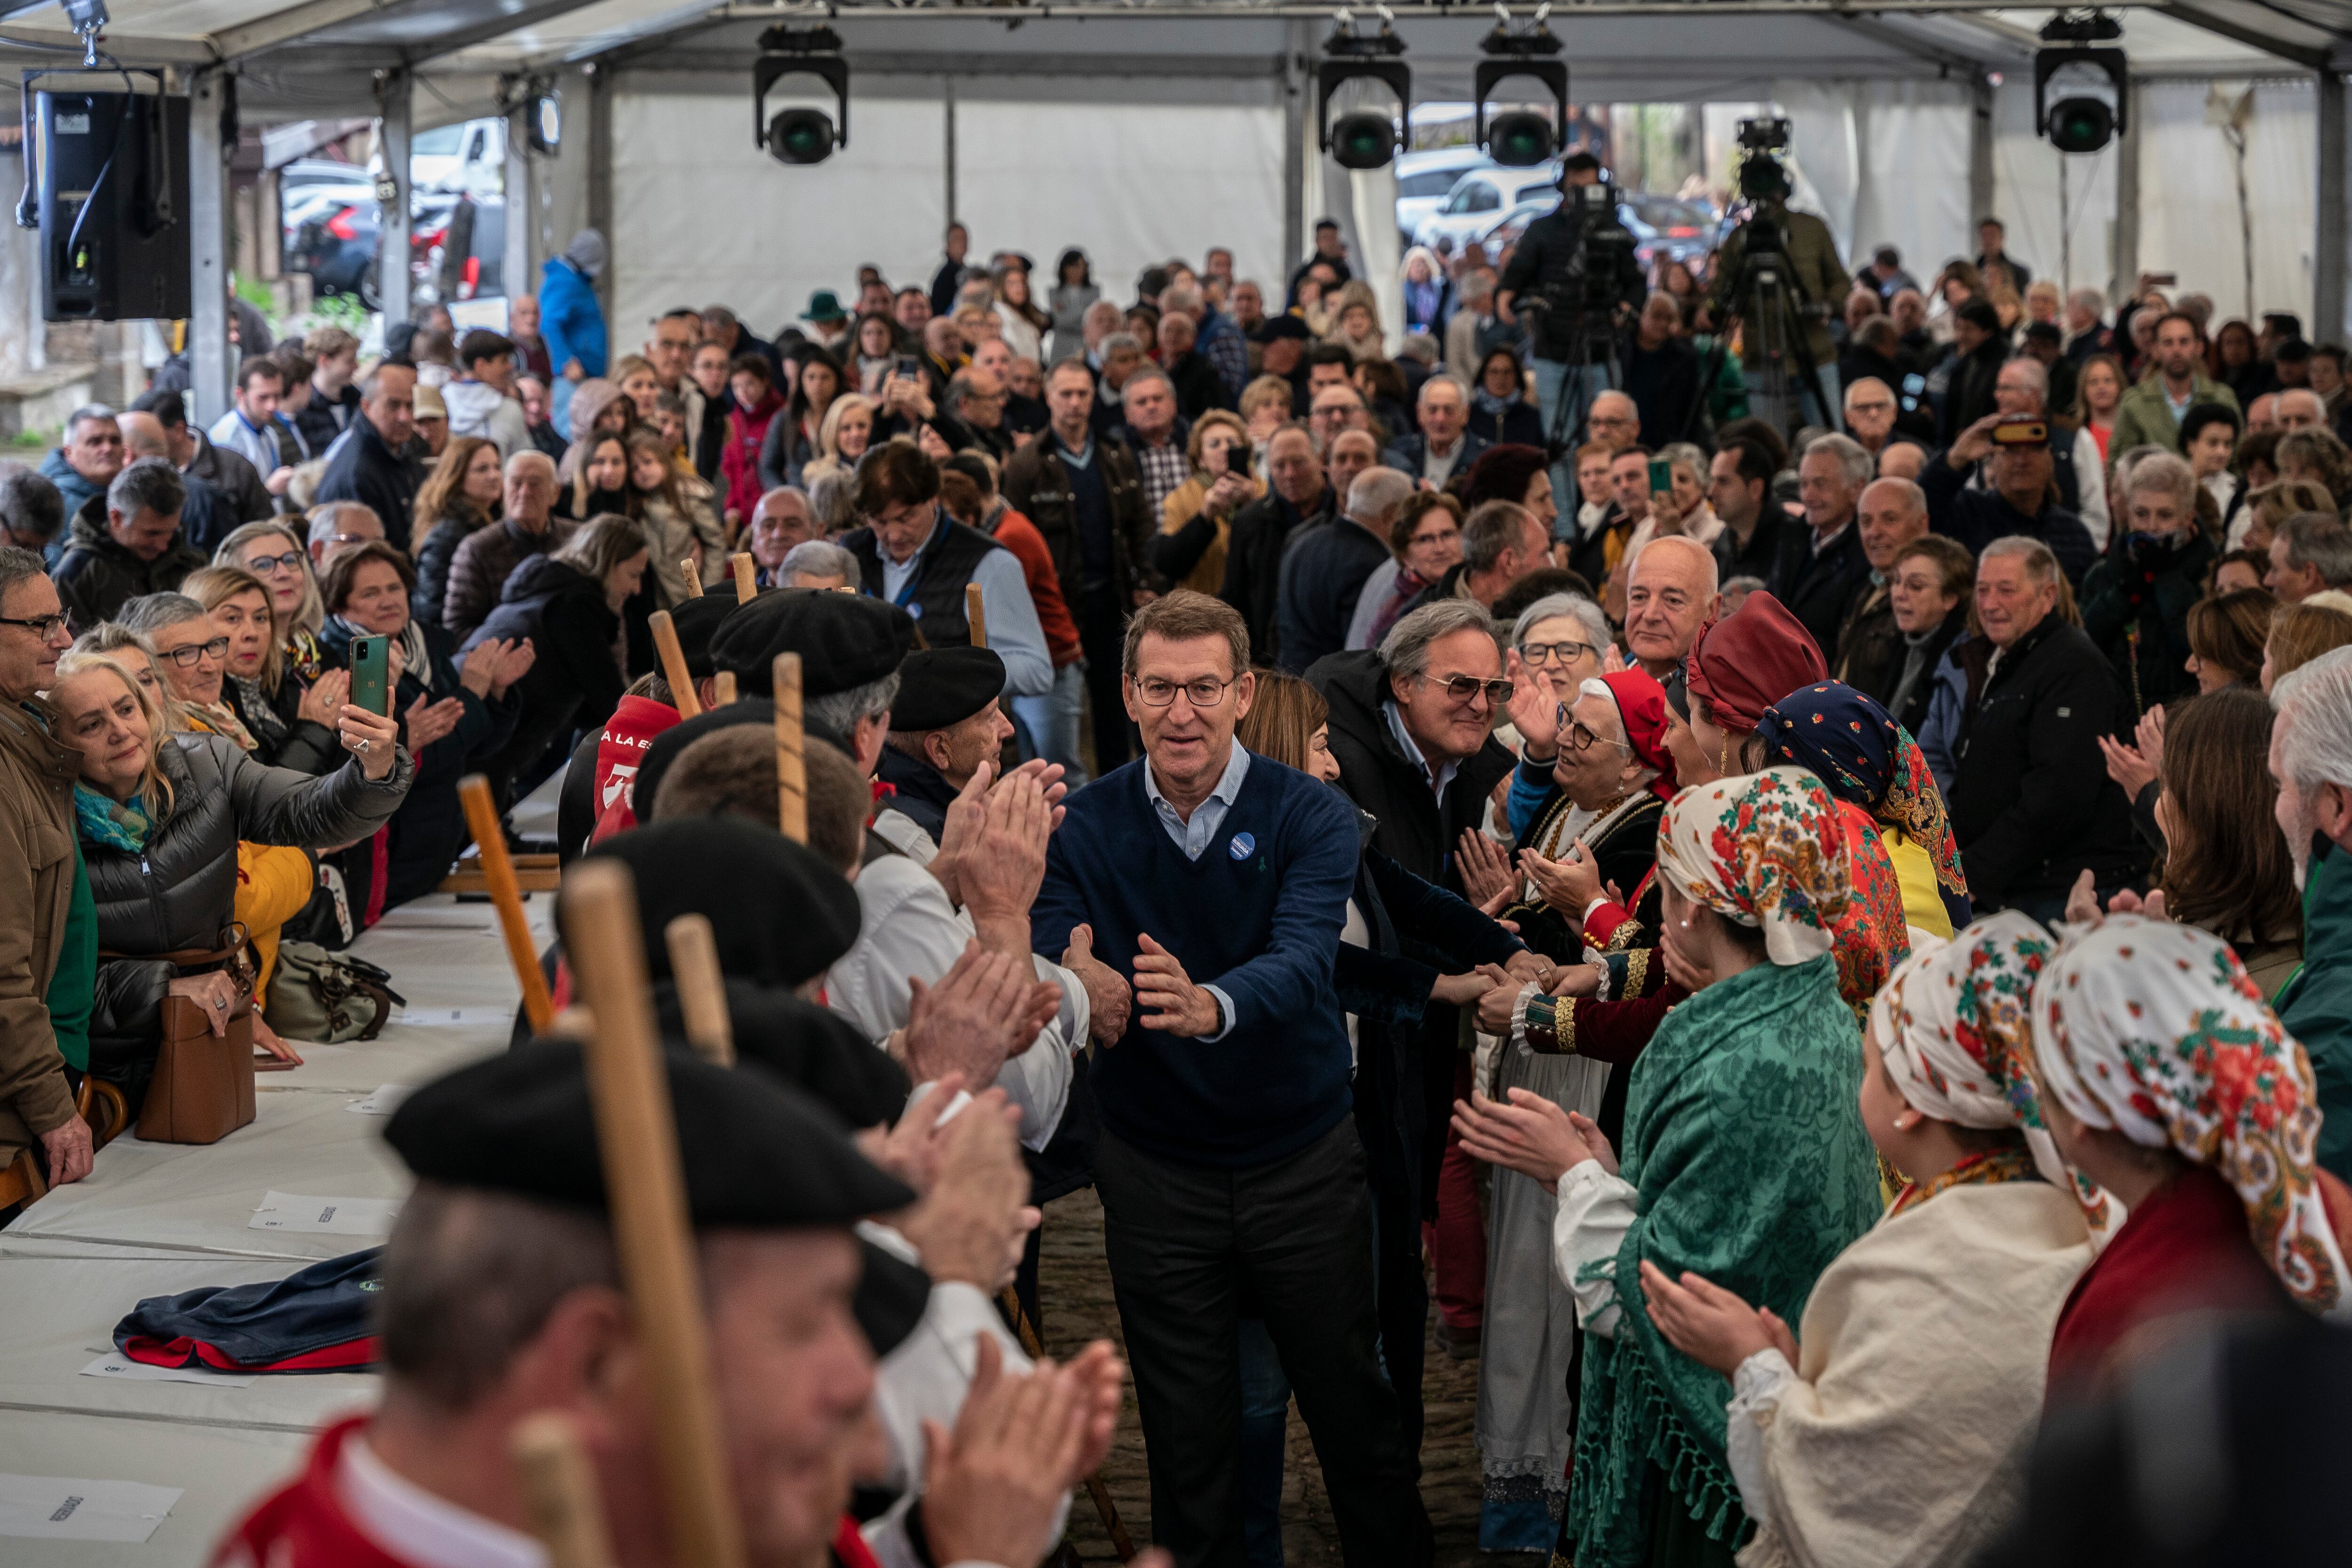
(159, 817)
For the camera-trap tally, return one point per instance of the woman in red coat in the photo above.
(753, 387)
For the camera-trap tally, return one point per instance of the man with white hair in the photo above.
(1822, 565)
(337, 526)
(2300, 408)
(1670, 593)
(1869, 653)
(2311, 757)
(1444, 445)
(1324, 569)
(2086, 334)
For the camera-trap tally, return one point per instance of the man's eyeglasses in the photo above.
(42, 627)
(1566, 652)
(269, 565)
(190, 656)
(1205, 692)
(1463, 688)
(1580, 737)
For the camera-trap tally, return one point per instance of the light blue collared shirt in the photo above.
(1195, 835)
(1438, 776)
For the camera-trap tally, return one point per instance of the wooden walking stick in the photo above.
(747, 578)
(693, 572)
(792, 766)
(506, 897)
(1120, 1542)
(701, 989)
(976, 612)
(722, 689)
(674, 670)
(637, 1140)
(559, 1492)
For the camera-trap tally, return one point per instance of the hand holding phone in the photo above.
(371, 675)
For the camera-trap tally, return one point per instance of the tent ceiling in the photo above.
(297, 57)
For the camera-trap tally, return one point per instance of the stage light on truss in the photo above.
(2080, 92)
(1521, 138)
(1363, 139)
(799, 135)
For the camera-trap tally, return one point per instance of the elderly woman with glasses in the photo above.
(275, 556)
(290, 721)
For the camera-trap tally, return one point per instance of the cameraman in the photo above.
(1817, 284)
(1578, 266)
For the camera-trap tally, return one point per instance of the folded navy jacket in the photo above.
(321, 1319)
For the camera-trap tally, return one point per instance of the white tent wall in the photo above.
(1888, 163)
(2190, 215)
(2027, 172)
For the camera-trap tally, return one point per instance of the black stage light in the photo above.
(2080, 92)
(799, 135)
(1364, 139)
(1521, 138)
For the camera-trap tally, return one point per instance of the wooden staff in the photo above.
(1120, 1542)
(722, 689)
(559, 1492)
(693, 572)
(674, 670)
(636, 1138)
(506, 897)
(792, 766)
(701, 989)
(747, 578)
(977, 614)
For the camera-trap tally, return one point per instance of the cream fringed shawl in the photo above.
(1901, 1440)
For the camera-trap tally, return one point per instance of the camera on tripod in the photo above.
(1587, 288)
(1762, 173)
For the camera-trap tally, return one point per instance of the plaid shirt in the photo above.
(1163, 468)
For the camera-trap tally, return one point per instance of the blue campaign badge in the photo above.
(914, 607)
(1242, 846)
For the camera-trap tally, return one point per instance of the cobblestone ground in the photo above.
(1074, 1287)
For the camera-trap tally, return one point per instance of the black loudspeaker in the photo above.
(113, 202)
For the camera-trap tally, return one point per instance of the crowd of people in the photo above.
(1825, 948)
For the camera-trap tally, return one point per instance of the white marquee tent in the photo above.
(1139, 130)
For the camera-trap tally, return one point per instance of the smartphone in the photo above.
(1237, 459)
(2164, 280)
(1662, 476)
(371, 675)
(907, 367)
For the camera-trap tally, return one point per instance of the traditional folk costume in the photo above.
(2153, 1029)
(1899, 1436)
(1744, 1160)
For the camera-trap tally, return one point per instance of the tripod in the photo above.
(1769, 302)
(1576, 392)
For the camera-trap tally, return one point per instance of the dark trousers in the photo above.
(1102, 638)
(1184, 1243)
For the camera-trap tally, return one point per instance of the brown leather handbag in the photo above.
(203, 1087)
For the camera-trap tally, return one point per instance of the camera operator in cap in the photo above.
(1575, 270)
(1817, 280)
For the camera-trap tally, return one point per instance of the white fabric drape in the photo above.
(1884, 163)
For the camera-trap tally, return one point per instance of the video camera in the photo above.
(1762, 175)
(1587, 287)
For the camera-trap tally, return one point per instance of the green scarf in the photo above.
(1751, 1167)
(113, 823)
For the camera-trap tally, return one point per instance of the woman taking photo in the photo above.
(449, 716)
(1218, 456)
(2098, 388)
(673, 514)
(1021, 324)
(291, 722)
(459, 498)
(793, 435)
(159, 819)
(567, 606)
(1499, 410)
(1745, 1160)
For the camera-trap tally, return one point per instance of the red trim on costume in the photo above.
(363, 1351)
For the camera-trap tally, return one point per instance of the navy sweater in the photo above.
(1258, 915)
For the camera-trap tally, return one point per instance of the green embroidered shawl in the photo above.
(1752, 1169)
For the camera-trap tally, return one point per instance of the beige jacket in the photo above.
(37, 876)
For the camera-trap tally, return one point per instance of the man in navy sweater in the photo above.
(1199, 894)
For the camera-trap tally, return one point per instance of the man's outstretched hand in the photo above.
(1169, 999)
(1109, 998)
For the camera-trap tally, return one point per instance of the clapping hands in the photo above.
(1531, 1135)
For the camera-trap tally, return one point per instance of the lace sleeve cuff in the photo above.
(1758, 1385)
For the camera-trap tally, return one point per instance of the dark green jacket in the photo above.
(1819, 281)
(2315, 1004)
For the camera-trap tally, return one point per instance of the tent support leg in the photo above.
(1294, 150)
(2332, 248)
(393, 278)
(2127, 145)
(210, 358)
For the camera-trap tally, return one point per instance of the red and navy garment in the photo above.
(321, 1319)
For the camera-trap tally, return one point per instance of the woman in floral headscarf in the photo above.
(2165, 1079)
(1885, 1432)
(1746, 1160)
(1872, 763)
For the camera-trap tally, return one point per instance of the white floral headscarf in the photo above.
(1764, 850)
(2153, 1029)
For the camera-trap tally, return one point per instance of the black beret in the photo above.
(1285, 326)
(813, 1048)
(646, 787)
(891, 1297)
(942, 686)
(697, 621)
(779, 913)
(754, 1151)
(845, 640)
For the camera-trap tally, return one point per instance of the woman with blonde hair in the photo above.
(2301, 633)
(639, 383)
(1266, 406)
(276, 666)
(2098, 390)
(131, 645)
(843, 436)
(2268, 506)
(161, 817)
(1220, 484)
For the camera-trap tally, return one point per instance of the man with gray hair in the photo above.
(2086, 334)
(2311, 759)
(814, 564)
(87, 457)
(1892, 514)
(32, 512)
(1324, 569)
(1216, 337)
(1670, 593)
(1155, 433)
(138, 549)
(2032, 806)
(337, 526)
(2310, 551)
(1444, 445)
(1821, 566)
